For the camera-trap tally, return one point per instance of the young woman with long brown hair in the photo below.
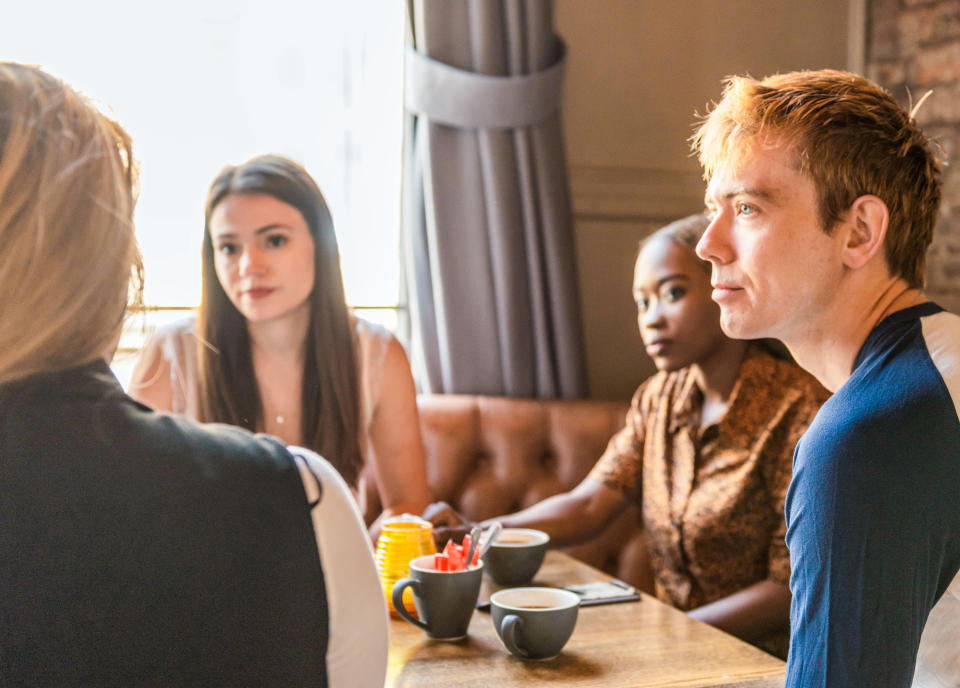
(275, 349)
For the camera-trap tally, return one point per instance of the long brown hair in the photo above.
(228, 391)
(69, 261)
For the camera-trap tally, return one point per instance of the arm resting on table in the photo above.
(570, 517)
(751, 613)
(401, 465)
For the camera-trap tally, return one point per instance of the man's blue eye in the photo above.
(745, 209)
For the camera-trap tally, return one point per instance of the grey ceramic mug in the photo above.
(445, 600)
(515, 556)
(534, 623)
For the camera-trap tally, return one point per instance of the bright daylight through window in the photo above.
(200, 84)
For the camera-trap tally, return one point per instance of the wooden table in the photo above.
(644, 643)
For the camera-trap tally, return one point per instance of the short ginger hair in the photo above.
(849, 136)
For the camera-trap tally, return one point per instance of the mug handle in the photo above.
(397, 598)
(508, 632)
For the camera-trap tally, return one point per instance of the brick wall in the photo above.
(914, 46)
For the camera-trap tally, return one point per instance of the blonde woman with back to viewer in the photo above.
(141, 548)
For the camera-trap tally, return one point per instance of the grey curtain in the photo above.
(488, 237)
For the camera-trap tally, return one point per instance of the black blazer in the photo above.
(140, 548)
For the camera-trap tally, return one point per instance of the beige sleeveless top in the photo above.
(177, 343)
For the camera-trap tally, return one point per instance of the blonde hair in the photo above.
(849, 136)
(69, 261)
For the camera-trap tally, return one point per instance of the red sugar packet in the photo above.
(455, 556)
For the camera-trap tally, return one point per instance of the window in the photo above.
(204, 83)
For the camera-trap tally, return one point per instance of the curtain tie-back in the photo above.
(467, 100)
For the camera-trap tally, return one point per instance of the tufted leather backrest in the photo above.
(489, 456)
(938, 660)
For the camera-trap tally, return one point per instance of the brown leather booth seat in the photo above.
(489, 456)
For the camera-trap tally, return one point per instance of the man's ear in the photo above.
(866, 229)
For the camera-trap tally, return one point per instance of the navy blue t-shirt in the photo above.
(873, 511)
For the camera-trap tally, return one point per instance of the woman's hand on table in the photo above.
(447, 523)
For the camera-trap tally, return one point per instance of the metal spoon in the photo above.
(492, 534)
(475, 533)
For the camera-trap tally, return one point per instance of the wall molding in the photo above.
(633, 193)
(857, 19)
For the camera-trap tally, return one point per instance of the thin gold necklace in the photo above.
(279, 417)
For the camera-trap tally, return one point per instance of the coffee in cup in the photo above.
(444, 600)
(534, 623)
(515, 556)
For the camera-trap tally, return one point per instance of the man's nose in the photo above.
(714, 245)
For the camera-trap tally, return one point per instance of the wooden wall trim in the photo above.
(857, 36)
(634, 194)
